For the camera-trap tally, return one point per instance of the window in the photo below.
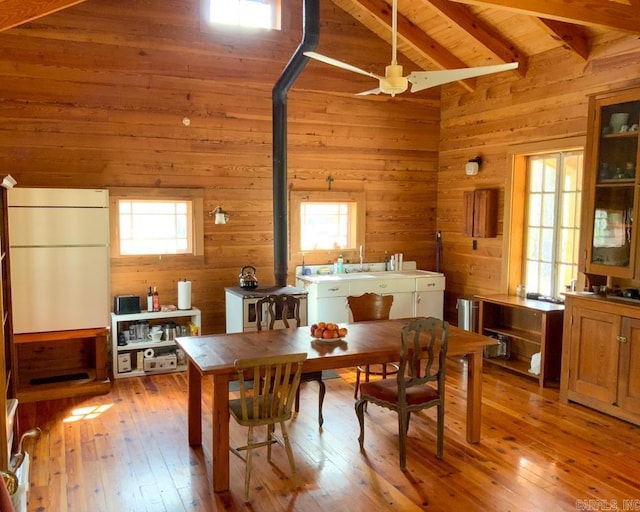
(157, 226)
(552, 226)
(156, 222)
(326, 224)
(246, 13)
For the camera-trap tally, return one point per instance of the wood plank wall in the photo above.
(549, 103)
(95, 96)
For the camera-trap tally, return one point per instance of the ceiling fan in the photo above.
(393, 82)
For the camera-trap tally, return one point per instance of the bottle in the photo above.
(156, 299)
(149, 300)
(340, 268)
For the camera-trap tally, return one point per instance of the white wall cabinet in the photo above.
(129, 360)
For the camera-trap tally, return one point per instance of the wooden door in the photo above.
(593, 356)
(629, 382)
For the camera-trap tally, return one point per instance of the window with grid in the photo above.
(327, 225)
(149, 223)
(155, 227)
(552, 226)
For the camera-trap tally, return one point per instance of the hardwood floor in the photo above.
(128, 451)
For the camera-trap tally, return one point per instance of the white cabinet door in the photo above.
(402, 306)
(331, 309)
(429, 304)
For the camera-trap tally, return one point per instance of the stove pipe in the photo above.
(310, 37)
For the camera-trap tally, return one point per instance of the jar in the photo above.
(521, 291)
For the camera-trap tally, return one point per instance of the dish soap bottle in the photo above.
(340, 268)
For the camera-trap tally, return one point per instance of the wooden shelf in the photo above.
(521, 334)
(514, 365)
(529, 327)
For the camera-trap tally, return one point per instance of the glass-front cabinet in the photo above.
(612, 184)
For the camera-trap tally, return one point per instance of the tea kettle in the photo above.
(248, 277)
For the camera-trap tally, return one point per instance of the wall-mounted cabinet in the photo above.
(481, 213)
(611, 184)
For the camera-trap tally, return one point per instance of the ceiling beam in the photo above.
(428, 47)
(16, 12)
(572, 36)
(609, 14)
(486, 35)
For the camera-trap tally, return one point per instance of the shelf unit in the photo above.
(133, 351)
(529, 327)
(7, 402)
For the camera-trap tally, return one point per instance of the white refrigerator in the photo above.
(59, 247)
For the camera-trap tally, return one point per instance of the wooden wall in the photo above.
(549, 103)
(94, 97)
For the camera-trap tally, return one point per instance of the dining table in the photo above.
(370, 342)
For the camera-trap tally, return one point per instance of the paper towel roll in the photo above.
(149, 353)
(184, 294)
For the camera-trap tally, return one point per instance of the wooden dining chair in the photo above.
(412, 390)
(287, 308)
(267, 404)
(371, 306)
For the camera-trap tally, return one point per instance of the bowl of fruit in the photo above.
(328, 332)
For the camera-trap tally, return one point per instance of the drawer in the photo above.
(332, 289)
(430, 284)
(382, 286)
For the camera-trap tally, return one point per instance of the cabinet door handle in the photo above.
(383, 286)
(621, 339)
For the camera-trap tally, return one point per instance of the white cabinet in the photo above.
(327, 301)
(429, 298)
(415, 293)
(130, 360)
(402, 290)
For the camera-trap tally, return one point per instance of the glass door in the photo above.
(614, 165)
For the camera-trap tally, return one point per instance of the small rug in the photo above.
(326, 375)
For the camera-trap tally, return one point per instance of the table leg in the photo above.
(220, 434)
(194, 405)
(474, 396)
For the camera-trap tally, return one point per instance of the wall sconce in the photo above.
(219, 216)
(473, 165)
(8, 181)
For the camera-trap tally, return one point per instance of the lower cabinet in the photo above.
(601, 356)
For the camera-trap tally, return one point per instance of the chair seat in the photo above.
(387, 391)
(235, 408)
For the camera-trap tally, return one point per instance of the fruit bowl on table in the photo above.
(328, 332)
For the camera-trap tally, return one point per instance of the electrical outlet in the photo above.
(474, 245)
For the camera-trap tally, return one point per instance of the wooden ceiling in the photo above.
(445, 34)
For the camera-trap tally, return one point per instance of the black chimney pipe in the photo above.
(310, 37)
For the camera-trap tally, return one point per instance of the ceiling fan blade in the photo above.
(424, 79)
(370, 91)
(340, 64)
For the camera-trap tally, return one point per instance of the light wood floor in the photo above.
(130, 453)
